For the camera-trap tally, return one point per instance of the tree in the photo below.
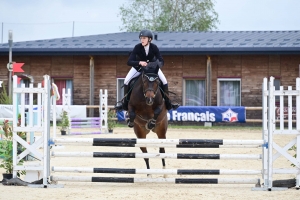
(169, 15)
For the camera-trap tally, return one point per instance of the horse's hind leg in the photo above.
(161, 134)
(162, 150)
(144, 150)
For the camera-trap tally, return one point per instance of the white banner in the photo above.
(6, 111)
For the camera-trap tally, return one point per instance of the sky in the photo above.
(48, 19)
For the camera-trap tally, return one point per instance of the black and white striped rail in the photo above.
(156, 171)
(157, 155)
(172, 143)
(156, 180)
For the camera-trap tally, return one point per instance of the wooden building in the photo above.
(224, 68)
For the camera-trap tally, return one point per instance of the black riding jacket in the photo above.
(138, 54)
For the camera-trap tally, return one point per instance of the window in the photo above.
(120, 90)
(277, 87)
(63, 83)
(26, 82)
(229, 92)
(194, 93)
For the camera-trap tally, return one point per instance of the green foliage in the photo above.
(6, 152)
(111, 122)
(4, 98)
(65, 122)
(169, 15)
(6, 149)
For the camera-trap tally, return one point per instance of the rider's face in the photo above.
(144, 40)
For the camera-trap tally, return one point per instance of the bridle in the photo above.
(151, 77)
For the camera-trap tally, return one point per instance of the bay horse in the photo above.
(147, 110)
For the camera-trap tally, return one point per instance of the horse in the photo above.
(147, 110)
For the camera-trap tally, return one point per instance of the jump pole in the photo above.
(155, 180)
(157, 171)
(158, 155)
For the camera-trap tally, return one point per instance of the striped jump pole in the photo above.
(91, 122)
(156, 180)
(85, 119)
(88, 122)
(86, 133)
(157, 155)
(85, 126)
(175, 143)
(167, 171)
(157, 171)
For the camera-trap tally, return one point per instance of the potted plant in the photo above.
(65, 123)
(6, 151)
(111, 122)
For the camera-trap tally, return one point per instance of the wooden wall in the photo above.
(250, 68)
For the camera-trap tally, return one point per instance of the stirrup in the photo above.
(119, 107)
(129, 124)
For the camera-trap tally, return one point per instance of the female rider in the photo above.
(142, 54)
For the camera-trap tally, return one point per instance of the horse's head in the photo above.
(150, 87)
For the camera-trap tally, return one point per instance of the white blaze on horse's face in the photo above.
(149, 94)
(150, 87)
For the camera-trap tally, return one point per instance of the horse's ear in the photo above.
(156, 69)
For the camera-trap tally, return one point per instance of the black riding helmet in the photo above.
(146, 33)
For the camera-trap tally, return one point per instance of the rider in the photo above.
(143, 53)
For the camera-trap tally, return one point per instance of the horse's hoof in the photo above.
(130, 124)
(150, 124)
(149, 176)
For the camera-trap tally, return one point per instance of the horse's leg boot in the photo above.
(150, 124)
(130, 121)
(168, 103)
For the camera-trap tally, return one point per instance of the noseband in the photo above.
(151, 78)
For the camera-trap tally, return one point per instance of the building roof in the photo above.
(169, 43)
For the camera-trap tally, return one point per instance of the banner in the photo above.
(203, 114)
(6, 111)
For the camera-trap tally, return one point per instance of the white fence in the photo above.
(269, 130)
(42, 127)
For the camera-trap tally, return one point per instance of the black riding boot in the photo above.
(124, 103)
(168, 103)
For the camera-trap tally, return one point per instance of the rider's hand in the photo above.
(143, 63)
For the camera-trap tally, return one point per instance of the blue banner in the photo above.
(203, 114)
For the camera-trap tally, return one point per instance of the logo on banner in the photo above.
(229, 116)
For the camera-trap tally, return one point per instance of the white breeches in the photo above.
(134, 73)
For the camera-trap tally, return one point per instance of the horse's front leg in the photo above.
(151, 123)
